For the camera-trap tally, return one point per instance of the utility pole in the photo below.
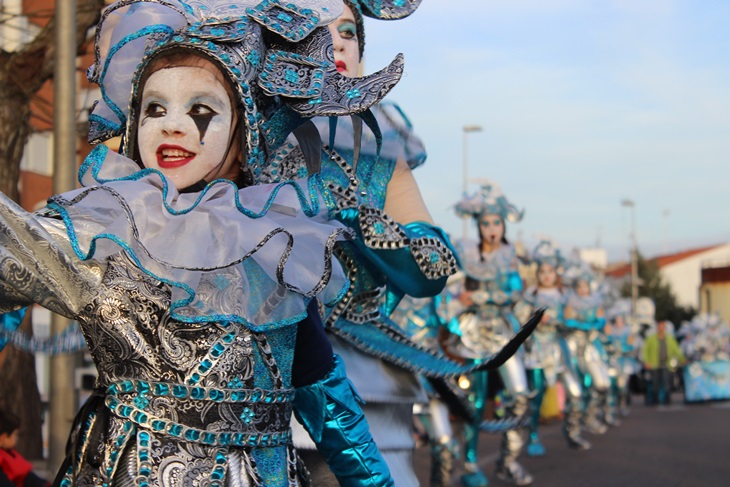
(62, 402)
(634, 260)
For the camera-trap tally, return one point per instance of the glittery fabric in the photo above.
(542, 349)
(186, 381)
(488, 325)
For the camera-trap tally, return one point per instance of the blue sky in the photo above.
(583, 103)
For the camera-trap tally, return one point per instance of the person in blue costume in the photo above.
(621, 346)
(490, 291)
(397, 251)
(194, 289)
(546, 356)
(585, 321)
(424, 320)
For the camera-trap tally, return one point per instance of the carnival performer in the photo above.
(424, 320)
(706, 347)
(584, 322)
(492, 287)
(622, 351)
(190, 286)
(546, 357)
(397, 251)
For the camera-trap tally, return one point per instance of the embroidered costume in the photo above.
(190, 300)
(491, 288)
(546, 353)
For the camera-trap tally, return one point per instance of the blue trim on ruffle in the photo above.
(310, 206)
(94, 162)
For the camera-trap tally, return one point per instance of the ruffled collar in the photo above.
(255, 255)
(487, 266)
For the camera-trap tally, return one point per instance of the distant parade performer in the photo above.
(621, 345)
(585, 321)
(547, 357)
(490, 291)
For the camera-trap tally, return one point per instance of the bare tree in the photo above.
(22, 73)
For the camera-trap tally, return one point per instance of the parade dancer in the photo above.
(546, 357)
(584, 322)
(397, 251)
(492, 287)
(191, 286)
(622, 352)
(423, 320)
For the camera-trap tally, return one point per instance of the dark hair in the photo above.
(8, 422)
(481, 239)
(177, 57)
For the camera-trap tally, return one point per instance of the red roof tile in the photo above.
(663, 261)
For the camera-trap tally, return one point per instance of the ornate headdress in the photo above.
(546, 253)
(489, 200)
(378, 9)
(277, 53)
(579, 270)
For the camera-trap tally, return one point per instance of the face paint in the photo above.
(344, 40)
(202, 121)
(491, 228)
(185, 128)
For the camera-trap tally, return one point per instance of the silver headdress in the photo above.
(546, 253)
(378, 9)
(277, 53)
(489, 200)
(577, 270)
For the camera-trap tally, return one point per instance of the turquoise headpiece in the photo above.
(546, 253)
(277, 54)
(489, 200)
(378, 9)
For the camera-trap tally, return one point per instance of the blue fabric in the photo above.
(398, 265)
(596, 324)
(10, 322)
(313, 351)
(707, 381)
(329, 412)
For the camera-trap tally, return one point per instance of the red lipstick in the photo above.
(172, 156)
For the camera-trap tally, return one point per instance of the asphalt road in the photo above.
(667, 446)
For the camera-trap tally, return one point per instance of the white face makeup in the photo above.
(491, 228)
(344, 40)
(185, 125)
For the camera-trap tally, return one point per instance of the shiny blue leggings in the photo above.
(538, 384)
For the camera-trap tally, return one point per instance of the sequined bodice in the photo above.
(130, 334)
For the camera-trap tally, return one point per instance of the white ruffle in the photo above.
(251, 255)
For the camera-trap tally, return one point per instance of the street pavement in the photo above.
(680, 445)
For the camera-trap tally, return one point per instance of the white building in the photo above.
(682, 271)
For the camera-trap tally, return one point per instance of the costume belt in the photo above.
(259, 417)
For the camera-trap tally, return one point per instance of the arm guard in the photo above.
(415, 258)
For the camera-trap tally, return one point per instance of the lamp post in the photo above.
(62, 408)
(634, 259)
(466, 130)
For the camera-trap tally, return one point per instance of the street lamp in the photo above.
(467, 129)
(634, 259)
